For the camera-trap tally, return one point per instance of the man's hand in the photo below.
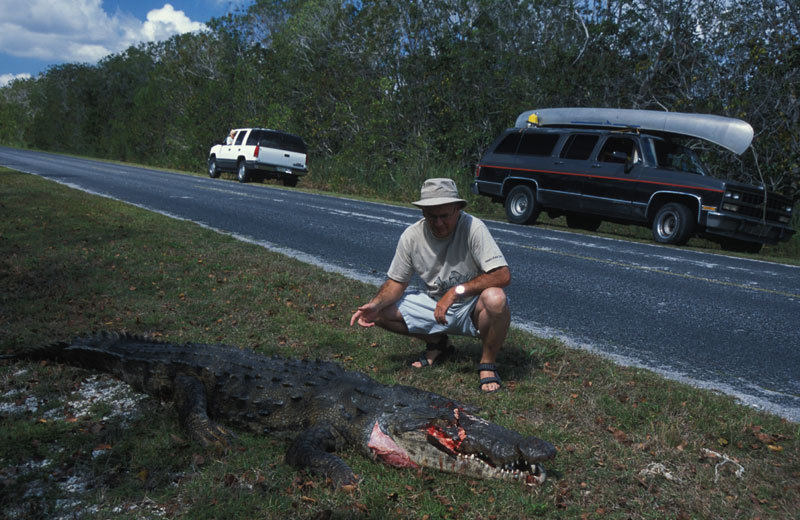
(444, 303)
(499, 277)
(389, 293)
(365, 315)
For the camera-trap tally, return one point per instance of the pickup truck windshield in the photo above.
(673, 156)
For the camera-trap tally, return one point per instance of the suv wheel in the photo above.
(290, 180)
(673, 224)
(243, 175)
(521, 206)
(213, 172)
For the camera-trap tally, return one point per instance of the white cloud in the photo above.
(165, 22)
(5, 79)
(81, 30)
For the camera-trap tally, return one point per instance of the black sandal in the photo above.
(445, 351)
(491, 379)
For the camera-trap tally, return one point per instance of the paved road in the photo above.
(718, 322)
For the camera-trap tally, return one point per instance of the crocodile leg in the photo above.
(190, 400)
(311, 451)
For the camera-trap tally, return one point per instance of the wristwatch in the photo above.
(460, 290)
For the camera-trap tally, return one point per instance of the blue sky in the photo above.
(35, 34)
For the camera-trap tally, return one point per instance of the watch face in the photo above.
(460, 289)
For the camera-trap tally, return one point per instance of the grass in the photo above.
(631, 444)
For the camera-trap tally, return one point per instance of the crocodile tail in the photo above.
(78, 350)
(38, 352)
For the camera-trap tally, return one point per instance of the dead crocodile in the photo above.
(319, 404)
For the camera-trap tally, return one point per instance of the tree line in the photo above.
(388, 93)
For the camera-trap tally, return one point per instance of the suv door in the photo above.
(239, 146)
(609, 188)
(571, 168)
(228, 152)
(500, 158)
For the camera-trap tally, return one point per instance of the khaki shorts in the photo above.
(417, 310)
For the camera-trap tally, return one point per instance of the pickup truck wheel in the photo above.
(521, 205)
(243, 175)
(213, 172)
(673, 224)
(584, 222)
(290, 180)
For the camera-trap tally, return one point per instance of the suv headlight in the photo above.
(727, 206)
(733, 195)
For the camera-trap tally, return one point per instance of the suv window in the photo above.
(618, 144)
(293, 143)
(268, 139)
(536, 143)
(673, 156)
(240, 137)
(579, 146)
(254, 137)
(281, 141)
(509, 144)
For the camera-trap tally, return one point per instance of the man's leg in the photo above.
(492, 318)
(431, 354)
(391, 319)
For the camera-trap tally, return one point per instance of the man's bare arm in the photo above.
(390, 292)
(499, 277)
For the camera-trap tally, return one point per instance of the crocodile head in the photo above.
(457, 441)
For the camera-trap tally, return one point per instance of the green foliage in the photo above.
(15, 111)
(386, 93)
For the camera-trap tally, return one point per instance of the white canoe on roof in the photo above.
(733, 134)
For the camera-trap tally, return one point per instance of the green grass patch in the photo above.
(631, 444)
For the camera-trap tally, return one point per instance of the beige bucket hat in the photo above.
(436, 192)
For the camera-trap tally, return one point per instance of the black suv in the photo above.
(629, 166)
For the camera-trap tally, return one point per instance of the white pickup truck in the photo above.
(262, 152)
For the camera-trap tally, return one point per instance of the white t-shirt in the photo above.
(445, 262)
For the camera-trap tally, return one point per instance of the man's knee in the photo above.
(494, 300)
(391, 319)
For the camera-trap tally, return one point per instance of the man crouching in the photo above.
(464, 272)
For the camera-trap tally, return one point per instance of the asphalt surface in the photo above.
(717, 322)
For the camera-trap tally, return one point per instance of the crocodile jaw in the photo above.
(449, 449)
(384, 448)
(474, 466)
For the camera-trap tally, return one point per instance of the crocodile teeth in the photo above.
(538, 473)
